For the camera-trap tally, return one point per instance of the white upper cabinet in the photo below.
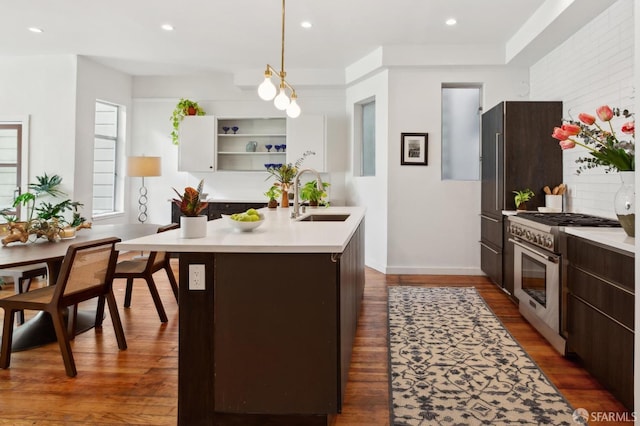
(216, 144)
(307, 133)
(197, 141)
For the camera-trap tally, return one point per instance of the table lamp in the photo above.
(143, 167)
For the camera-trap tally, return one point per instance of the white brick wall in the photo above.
(592, 68)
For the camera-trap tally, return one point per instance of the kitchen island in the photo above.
(267, 318)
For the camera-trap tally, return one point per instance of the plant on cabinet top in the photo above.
(183, 108)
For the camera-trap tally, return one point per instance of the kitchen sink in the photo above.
(324, 218)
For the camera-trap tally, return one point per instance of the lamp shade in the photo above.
(143, 166)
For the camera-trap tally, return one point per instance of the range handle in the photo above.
(549, 257)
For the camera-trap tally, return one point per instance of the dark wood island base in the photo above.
(269, 339)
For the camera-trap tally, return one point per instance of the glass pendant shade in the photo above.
(267, 90)
(293, 110)
(282, 100)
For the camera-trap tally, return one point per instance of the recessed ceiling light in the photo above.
(305, 24)
(451, 21)
(167, 27)
(35, 30)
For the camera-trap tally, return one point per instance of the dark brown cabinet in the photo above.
(600, 313)
(215, 209)
(518, 152)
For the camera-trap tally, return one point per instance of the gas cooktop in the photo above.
(569, 219)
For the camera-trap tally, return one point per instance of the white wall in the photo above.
(371, 191)
(44, 88)
(434, 224)
(59, 94)
(154, 101)
(416, 223)
(594, 67)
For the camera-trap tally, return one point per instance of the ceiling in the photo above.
(234, 35)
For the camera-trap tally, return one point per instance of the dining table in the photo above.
(39, 330)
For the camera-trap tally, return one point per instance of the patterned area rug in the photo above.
(453, 363)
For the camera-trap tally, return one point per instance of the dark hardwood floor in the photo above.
(139, 385)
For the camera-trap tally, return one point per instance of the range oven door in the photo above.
(537, 282)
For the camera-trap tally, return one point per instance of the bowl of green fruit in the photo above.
(245, 222)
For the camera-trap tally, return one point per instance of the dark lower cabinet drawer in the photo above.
(616, 301)
(610, 264)
(491, 262)
(606, 349)
(491, 230)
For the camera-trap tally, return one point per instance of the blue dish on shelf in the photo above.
(284, 147)
(278, 147)
(268, 146)
(226, 129)
(235, 129)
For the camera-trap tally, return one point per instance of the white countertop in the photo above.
(278, 234)
(613, 237)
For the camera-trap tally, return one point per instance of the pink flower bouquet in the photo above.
(600, 140)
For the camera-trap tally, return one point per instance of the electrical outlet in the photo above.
(196, 277)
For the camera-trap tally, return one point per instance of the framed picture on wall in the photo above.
(413, 149)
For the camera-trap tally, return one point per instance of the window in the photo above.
(10, 165)
(105, 154)
(365, 137)
(461, 120)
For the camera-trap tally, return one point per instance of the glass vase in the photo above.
(625, 203)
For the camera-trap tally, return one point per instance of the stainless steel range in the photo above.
(538, 267)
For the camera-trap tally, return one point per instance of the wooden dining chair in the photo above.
(145, 268)
(22, 276)
(86, 273)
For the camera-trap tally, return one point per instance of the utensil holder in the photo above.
(553, 202)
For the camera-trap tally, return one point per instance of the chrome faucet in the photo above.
(296, 188)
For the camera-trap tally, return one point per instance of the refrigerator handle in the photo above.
(497, 170)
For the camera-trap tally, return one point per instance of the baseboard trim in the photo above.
(411, 270)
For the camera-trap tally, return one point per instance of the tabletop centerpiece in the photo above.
(606, 150)
(47, 219)
(192, 223)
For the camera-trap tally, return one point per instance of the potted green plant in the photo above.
(522, 197)
(192, 223)
(183, 108)
(310, 192)
(272, 194)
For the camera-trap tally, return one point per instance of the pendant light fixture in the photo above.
(267, 90)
